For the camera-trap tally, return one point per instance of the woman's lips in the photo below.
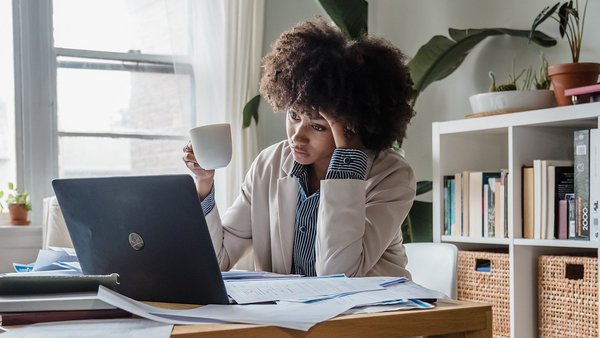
(300, 153)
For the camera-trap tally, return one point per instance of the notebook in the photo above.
(150, 230)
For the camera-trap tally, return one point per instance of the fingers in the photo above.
(188, 148)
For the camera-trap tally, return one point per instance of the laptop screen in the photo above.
(150, 230)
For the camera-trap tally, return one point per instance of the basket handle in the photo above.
(483, 265)
(574, 271)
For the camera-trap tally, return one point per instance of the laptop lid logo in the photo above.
(136, 241)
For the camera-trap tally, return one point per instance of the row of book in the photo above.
(475, 204)
(548, 199)
(560, 198)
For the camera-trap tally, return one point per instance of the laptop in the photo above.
(150, 230)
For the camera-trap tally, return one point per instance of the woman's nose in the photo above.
(300, 135)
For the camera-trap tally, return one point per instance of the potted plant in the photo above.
(570, 23)
(18, 204)
(528, 90)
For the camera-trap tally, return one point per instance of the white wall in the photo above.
(409, 24)
(280, 15)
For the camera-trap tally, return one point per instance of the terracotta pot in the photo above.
(18, 214)
(571, 75)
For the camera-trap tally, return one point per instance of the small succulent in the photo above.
(503, 87)
(16, 196)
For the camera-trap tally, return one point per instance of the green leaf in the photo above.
(418, 225)
(440, 56)
(11, 186)
(423, 187)
(351, 16)
(251, 111)
(544, 14)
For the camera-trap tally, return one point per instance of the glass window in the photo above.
(148, 26)
(7, 98)
(121, 107)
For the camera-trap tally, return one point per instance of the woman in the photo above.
(332, 197)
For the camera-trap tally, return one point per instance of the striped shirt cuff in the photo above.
(208, 203)
(347, 164)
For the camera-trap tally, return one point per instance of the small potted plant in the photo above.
(527, 90)
(570, 23)
(18, 204)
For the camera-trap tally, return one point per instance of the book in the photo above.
(527, 202)
(486, 210)
(594, 184)
(465, 203)
(448, 182)
(452, 207)
(458, 217)
(548, 193)
(477, 182)
(595, 88)
(498, 209)
(537, 199)
(53, 302)
(562, 220)
(571, 216)
(32, 317)
(560, 182)
(581, 144)
(25, 283)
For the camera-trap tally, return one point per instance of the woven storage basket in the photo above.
(486, 287)
(568, 296)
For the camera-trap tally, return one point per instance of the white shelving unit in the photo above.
(510, 141)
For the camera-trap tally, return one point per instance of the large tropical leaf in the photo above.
(440, 56)
(250, 111)
(349, 15)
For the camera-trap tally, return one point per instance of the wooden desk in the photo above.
(450, 319)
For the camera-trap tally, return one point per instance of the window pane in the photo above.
(150, 26)
(7, 108)
(95, 156)
(103, 101)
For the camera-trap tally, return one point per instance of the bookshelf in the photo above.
(510, 141)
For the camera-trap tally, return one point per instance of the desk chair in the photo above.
(54, 228)
(433, 265)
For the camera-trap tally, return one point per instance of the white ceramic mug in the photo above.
(212, 145)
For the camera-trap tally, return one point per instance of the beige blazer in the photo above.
(358, 226)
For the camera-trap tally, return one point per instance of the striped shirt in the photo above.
(344, 164)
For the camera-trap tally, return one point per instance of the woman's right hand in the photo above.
(204, 178)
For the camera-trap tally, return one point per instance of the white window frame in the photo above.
(35, 71)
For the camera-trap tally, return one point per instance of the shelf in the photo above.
(556, 243)
(584, 116)
(510, 141)
(476, 240)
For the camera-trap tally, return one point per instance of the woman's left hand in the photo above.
(343, 135)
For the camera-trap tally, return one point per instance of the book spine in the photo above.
(582, 183)
(528, 227)
(564, 181)
(572, 218)
(25, 318)
(562, 219)
(594, 183)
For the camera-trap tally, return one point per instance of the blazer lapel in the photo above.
(287, 192)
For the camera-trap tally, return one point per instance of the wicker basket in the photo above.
(490, 287)
(568, 296)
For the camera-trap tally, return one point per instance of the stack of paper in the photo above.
(297, 303)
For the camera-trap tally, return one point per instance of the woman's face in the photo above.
(310, 137)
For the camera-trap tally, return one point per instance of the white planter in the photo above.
(510, 101)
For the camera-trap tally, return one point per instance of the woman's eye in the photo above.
(293, 115)
(318, 127)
